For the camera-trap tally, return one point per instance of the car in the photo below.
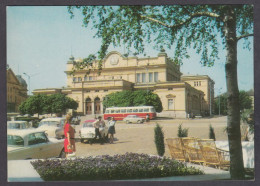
(87, 131)
(32, 144)
(133, 119)
(53, 127)
(75, 121)
(17, 125)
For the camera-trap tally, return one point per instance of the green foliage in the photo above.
(159, 140)
(133, 98)
(117, 167)
(178, 26)
(55, 103)
(212, 133)
(247, 116)
(182, 132)
(244, 100)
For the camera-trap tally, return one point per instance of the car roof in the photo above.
(89, 120)
(23, 132)
(52, 119)
(16, 122)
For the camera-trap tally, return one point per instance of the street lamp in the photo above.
(29, 77)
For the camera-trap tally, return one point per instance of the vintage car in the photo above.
(53, 127)
(32, 144)
(17, 125)
(87, 131)
(133, 119)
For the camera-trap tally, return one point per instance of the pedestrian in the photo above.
(97, 124)
(147, 118)
(69, 133)
(111, 129)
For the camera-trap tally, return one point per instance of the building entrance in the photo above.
(97, 105)
(88, 106)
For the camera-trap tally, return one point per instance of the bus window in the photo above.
(117, 111)
(146, 110)
(129, 110)
(112, 111)
(123, 110)
(135, 110)
(152, 109)
(107, 111)
(141, 110)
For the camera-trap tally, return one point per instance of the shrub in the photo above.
(127, 166)
(182, 132)
(159, 140)
(212, 133)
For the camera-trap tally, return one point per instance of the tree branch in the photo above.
(198, 14)
(243, 36)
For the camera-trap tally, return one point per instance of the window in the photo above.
(85, 78)
(155, 76)
(129, 110)
(138, 77)
(37, 138)
(96, 90)
(152, 110)
(107, 111)
(170, 88)
(150, 77)
(141, 110)
(112, 111)
(197, 83)
(105, 90)
(143, 78)
(15, 140)
(79, 79)
(135, 110)
(170, 104)
(74, 79)
(90, 78)
(87, 90)
(146, 110)
(117, 111)
(123, 110)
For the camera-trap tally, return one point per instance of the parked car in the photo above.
(18, 125)
(32, 144)
(87, 131)
(53, 127)
(133, 119)
(75, 121)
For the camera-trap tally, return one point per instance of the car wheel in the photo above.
(139, 121)
(62, 154)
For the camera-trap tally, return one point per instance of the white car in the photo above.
(87, 131)
(17, 125)
(133, 119)
(32, 144)
(53, 127)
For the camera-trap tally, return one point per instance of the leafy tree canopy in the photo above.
(133, 98)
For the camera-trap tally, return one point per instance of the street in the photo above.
(139, 138)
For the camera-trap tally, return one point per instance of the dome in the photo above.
(21, 80)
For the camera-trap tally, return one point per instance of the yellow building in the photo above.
(159, 74)
(16, 90)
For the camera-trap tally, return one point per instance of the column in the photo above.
(93, 107)
(101, 107)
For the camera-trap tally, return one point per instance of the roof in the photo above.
(22, 132)
(21, 80)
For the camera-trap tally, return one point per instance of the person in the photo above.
(111, 129)
(69, 133)
(147, 118)
(98, 123)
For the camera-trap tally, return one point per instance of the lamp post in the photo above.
(29, 77)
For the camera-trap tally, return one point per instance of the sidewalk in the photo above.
(28, 174)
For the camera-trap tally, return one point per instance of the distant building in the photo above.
(180, 95)
(16, 90)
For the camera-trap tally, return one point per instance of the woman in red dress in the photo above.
(69, 133)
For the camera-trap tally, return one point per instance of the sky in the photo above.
(41, 39)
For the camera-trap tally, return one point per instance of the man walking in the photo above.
(98, 123)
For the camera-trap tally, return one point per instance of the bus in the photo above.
(119, 113)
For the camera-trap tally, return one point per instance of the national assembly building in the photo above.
(181, 95)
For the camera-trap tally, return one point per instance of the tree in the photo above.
(159, 140)
(128, 98)
(244, 100)
(202, 27)
(182, 132)
(212, 133)
(33, 105)
(55, 103)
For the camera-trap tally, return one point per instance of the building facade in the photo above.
(16, 90)
(160, 74)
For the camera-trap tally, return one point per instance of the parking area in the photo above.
(139, 138)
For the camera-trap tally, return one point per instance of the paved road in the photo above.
(139, 138)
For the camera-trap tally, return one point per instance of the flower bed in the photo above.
(118, 167)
